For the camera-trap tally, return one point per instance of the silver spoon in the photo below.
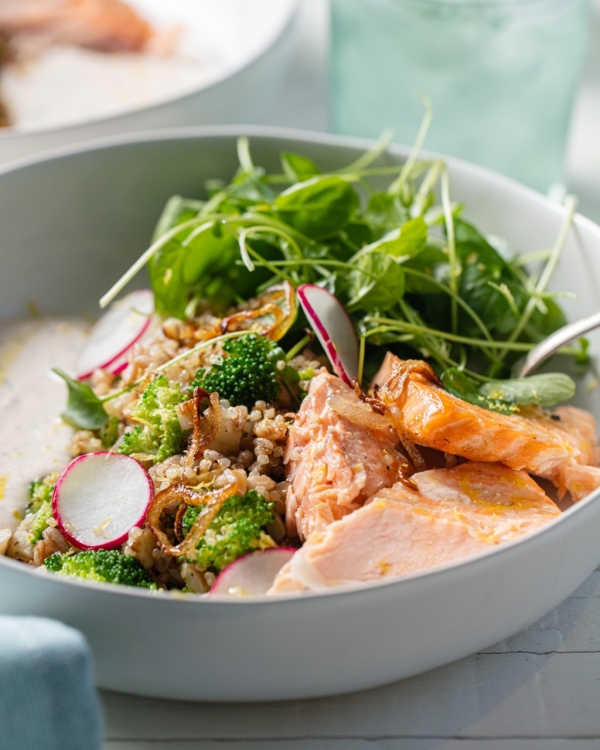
(551, 344)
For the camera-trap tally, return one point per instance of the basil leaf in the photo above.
(318, 207)
(84, 409)
(546, 389)
(461, 386)
(298, 167)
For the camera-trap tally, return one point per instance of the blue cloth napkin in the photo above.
(47, 695)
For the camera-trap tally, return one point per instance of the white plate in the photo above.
(64, 246)
(226, 62)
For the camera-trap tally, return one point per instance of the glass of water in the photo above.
(502, 76)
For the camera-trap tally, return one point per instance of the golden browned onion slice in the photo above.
(175, 493)
(390, 397)
(213, 502)
(270, 314)
(206, 427)
(360, 414)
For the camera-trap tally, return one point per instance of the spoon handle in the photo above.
(556, 340)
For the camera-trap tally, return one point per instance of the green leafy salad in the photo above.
(417, 277)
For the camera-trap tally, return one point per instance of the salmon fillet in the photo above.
(455, 514)
(105, 25)
(333, 464)
(548, 445)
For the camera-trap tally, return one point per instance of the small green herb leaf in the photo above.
(176, 211)
(298, 167)
(407, 241)
(546, 389)
(377, 281)
(209, 248)
(166, 275)
(386, 211)
(461, 386)
(84, 409)
(318, 207)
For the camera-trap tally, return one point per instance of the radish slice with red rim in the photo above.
(334, 328)
(99, 498)
(116, 332)
(253, 574)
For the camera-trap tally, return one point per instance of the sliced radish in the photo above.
(334, 328)
(253, 574)
(99, 497)
(116, 332)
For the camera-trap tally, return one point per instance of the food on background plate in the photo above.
(258, 457)
(104, 25)
(51, 47)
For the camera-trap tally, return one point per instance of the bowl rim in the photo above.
(231, 132)
(14, 133)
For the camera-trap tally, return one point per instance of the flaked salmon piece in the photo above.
(578, 480)
(579, 475)
(105, 25)
(423, 413)
(334, 465)
(501, 503)
(456, 513)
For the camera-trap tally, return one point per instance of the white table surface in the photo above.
(539, 690)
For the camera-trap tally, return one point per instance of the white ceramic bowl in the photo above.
(70, 224)
(241, 51)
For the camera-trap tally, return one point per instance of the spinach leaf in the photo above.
(431, 262)
(166, 276)
(377, 281)
(249, 188)
(210, 248)
(487, 283)
(84, 409)
(545, 389)
(176, 211)
(386, 211)
(405, 242)
(318, 207)
(297, 167)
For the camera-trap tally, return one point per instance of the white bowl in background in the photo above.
(73, 222)
(231, 58)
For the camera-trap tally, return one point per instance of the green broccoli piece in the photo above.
(109, 433)
(40, 506)
(41, 492)
(40, 522)
(248, 373)
(160, 435)
(140, 441)
(236, 530)
(106, 566)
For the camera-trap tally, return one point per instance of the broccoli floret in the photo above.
(160, 435)
(106, 566)
(40, 505)
(247, 374)
(236, 530)
(40, 522)
(41, 492)
(140, 441)
(109, 433)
